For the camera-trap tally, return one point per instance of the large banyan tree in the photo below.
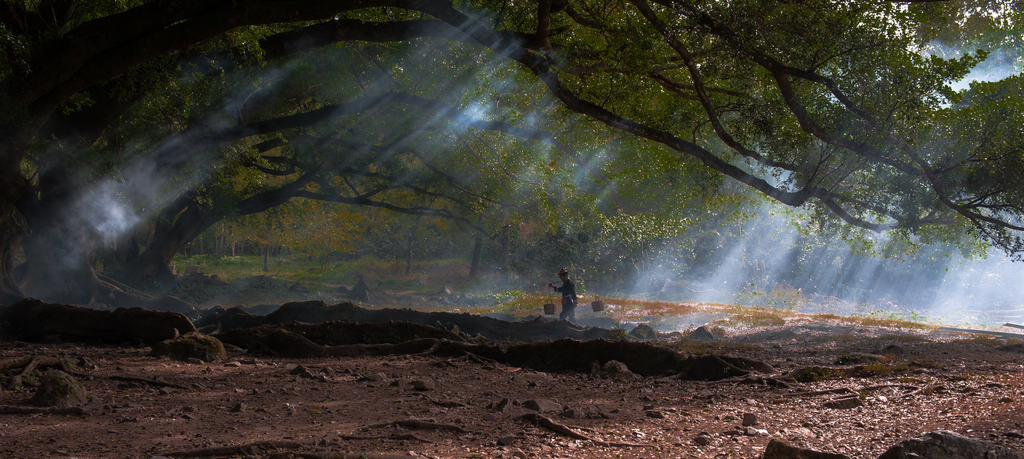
(846, 107)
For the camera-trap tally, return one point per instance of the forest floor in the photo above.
(873, 386)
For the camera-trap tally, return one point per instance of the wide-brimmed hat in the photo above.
(563, 271)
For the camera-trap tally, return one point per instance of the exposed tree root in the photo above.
(34, 320)
(469, 324)
(15, 381)
(14, 409)
(547, 423)
(402, 436)
(335, 333)
(869, 389)
(30, 364)
(815, 393)
(257, 448)
(929, 389)
(444, 403)
(562, 355)
(147, 381)
(418, 424)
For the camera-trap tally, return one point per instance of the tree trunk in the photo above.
(13, 190)
(506, 255)
(266, 259)
(474, 267)
(408, 245)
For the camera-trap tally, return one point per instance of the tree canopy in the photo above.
(462, 109)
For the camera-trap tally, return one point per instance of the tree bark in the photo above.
(13, 188)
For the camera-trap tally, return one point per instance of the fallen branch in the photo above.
(547, 423)
(417, 424)
(12, 409)
(257, 448)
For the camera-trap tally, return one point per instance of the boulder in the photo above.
(948, 445)
(542, 405)
(58, 389)
(615, 369)
(702, 333)
(643, 331)
(191, 346)
(778, 449)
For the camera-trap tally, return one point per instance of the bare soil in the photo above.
(904, 383)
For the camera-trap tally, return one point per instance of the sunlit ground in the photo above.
(491, 297)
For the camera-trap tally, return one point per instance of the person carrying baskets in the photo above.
(568, 290)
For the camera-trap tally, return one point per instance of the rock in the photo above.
(892, 350)
(655, 414)
(749, 419)
(843, 403)
(191, 346)
(948, 445)
(643, 331)
(570, 413)
(506, 440)
(233, 364)
(374, 377)
(702, 440)
(423, 384)
(615, 368)
(752, 432)
(777, 449)
(853, 358)
(500, 406)
(799, 432)
(303, 372)
(58, 389)
(542, 405)
(238, 407)
(702, 333)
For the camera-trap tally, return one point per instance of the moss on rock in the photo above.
(191, 346)
(59, 389)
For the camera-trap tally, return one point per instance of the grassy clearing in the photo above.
(755, 317)
(424, 275)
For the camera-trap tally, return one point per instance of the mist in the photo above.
(766, 261)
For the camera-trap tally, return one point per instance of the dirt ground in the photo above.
(429, 406)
